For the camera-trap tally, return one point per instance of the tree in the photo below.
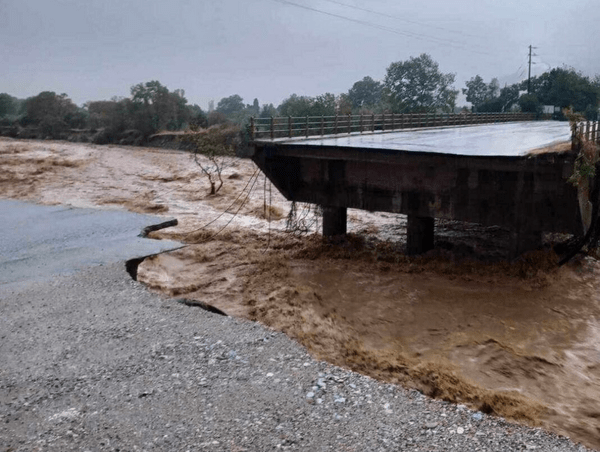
(254, 108)
(343, 104)
(484, 97)
(154, 108)
(299, 106)
(9, 105)
(529, 103)
(52, 113)
(477, 91)
(214, 151)
(196, 116)
(323, 105)
(215, 118)
(267, 111)
(296, 106)
(231, 106)
(111, 115)
(509, 95)
(365, 93)
(565, 87)
(494, 88)
(417, 85)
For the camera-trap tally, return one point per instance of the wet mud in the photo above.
(519, 340)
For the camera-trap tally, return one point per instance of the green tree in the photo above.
(477, 91)
(196, 115)
(323, 105)
(9, 105)
(509, 96)
(484, 97)
(231, 106)
(267, 111)
(254, 108)
(343, 104)
(565, 87)
(154, 108)
(114, 116)
(529, 103)
(52, 113)
(296, 106)
(299, 106)
(365, 93)
(417, 85)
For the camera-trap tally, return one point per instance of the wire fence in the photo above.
(282, 127)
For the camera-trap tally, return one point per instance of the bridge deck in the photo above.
(492, 140)
(482, 174)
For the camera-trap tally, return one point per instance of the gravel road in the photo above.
(94, 362)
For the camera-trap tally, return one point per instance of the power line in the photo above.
(422, 24)
(420, 36)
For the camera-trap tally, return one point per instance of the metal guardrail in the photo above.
(309, 126)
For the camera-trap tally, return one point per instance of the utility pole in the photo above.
(529, 76)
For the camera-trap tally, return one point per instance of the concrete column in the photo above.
(334, 221)
(419, 234)
(523, 241)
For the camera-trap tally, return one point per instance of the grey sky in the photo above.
(269, 49)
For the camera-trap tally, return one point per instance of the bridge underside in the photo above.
(529, 195)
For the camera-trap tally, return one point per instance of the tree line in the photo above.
(416, 85)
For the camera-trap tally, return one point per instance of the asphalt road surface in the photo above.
(510, 139)
(39, 242)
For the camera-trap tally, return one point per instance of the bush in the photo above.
(218, 145)
(51, 127)
(101, 137)
(131, 137)
(529, 103)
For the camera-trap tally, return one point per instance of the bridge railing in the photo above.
(313, 126)
(586, 131)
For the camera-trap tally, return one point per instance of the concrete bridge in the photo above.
(491, 174)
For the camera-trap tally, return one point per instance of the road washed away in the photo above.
(517, 340)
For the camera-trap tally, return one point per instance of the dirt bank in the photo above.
(517, 340)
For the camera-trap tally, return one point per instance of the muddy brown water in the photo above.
(520, 340)
(521, 347)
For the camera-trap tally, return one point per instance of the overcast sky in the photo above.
(269, 49)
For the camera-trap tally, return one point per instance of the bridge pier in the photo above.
(334, 221)
(419, 235)
(523, 241)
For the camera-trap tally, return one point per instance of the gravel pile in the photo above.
(93, 362)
